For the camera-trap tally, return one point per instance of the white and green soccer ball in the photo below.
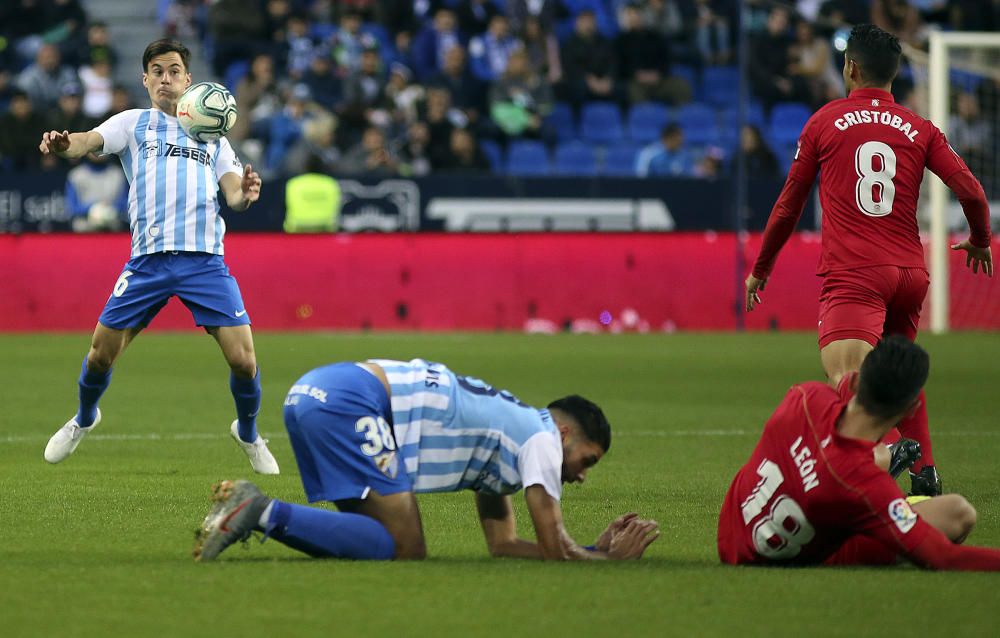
(206, 111)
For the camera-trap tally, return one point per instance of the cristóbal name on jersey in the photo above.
(864, 116)
(802, 456)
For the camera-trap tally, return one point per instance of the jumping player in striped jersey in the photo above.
(176, 246)
(367, 436)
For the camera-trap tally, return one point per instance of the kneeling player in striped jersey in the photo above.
(176, 246)
(367, 436)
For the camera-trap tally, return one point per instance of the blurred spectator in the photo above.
(349, 43)
(312, 200)
(489, 52)
(760, 159)
(96, 47)
(97, 195)
(276, 14)
(546, 12)
(370, 156)
(475, 16)
(441, 119)
(668, 157)
(901, 19)
(286, 126)
(414, 154)
(433, 43)
(838, 14)
(465, 156)
(301, 48)
(257, 96)
(97, 84)
(589, 64)
(974, 15)
(812, 60)
(520, 100)
(65, 27)
(316, 147)
(181, 19)
(121, 100)
(43, 80)
(396, 15)
(710, 165)
(712, 31)
(467, 92)
(7, 89)
(68, 114)
(542, 49)
(644, 62)
(403, 94)
(324, 86)
(21, 130)
(969, 132)
(364, 93)
(238, 28)
(769, 64)
(23, 23)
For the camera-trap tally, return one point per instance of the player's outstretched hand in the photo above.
(54, 142)
(250, 184)
(754, 288)
(976, 257)
(631, 541)
(604, 540)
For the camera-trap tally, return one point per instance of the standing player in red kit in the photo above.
(812, 494)
(872, 153)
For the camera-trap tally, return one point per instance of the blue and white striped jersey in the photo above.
(173, 182)
(458, 432)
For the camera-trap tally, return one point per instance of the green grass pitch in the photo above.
(100, 544)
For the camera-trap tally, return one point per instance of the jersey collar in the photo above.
(869, 93)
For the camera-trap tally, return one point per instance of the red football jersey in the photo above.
(872, 153)
(806, 489)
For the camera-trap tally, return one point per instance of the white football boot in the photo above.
(260, 457)
(65, 440)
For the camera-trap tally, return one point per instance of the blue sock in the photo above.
(246, 394)
(327, 534)
(92, 386)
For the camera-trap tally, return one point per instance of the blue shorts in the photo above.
(201, 280)
(339, 419)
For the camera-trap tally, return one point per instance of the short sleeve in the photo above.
(226, 160)
(887, 517)
(942, 160)
(116, 130)
(540, 463)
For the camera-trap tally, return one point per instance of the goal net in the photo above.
(957, 86)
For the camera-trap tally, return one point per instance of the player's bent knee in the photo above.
(244, 366)
(965, 514)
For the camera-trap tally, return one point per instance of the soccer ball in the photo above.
(206, 111)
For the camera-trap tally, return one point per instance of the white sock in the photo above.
(265, 516)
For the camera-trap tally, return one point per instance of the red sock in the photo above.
(915, 427)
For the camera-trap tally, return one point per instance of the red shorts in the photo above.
(871, 302)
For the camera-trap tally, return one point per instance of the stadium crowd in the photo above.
(524, 87)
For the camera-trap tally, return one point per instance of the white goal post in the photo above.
(939, 97)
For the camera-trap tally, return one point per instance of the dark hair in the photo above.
(588, 416)
(877, 52)
(165, 45)
(891, 376)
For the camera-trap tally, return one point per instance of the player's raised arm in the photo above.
(70, 145)
(241, 191)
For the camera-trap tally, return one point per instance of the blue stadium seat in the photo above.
(700, 124)
(527, 158)
(646, 120)
(690, 75)
(493, 153)
(787, 120)
(562, 121)
(619, 161)
(235, 72)
(720, 85)
(575, 158)
(601, 123)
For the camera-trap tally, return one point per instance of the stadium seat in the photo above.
(646, 120)
(699, 123)
(601, 123)
(690, 75)
(720, 85)
(527, 158)
(575, 158)
(562, 121)
(619, 160)
(787, 120)
(493, 153)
